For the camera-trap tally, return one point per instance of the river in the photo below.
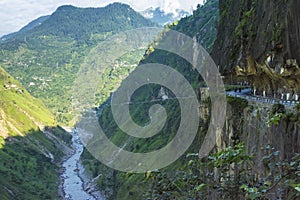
(73, 178)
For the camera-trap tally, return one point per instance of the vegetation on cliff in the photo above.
(258, 42)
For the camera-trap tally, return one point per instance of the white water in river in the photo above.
(72, 182)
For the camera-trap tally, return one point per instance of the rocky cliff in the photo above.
(258, 41)
(255, 127)
(270, 135)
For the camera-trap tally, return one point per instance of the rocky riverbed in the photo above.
(75, 185)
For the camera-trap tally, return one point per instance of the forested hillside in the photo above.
(202, 24)
(256, 154)
(47, 57)
(125, 186)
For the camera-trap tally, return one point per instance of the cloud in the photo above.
(170, 6)
(15, 14)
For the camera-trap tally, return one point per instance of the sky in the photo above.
(14, 14)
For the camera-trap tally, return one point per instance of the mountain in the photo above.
(200, 26)
(157, 15)
(259, 141)
(81, 23)
(29, 158)
(258, 41)
(46, 58)
(256, 155)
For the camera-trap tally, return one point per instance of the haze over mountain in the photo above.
(15, 14)
(26, 28)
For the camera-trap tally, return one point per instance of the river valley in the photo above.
(73, 178)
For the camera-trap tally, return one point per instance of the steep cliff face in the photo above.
(270, 140)
(259, 40)
(255, 127)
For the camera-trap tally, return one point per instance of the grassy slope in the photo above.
(20, 112)
(26, 168)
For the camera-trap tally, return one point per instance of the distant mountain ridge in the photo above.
(118, 17)
(26, 28)
(80, 23)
